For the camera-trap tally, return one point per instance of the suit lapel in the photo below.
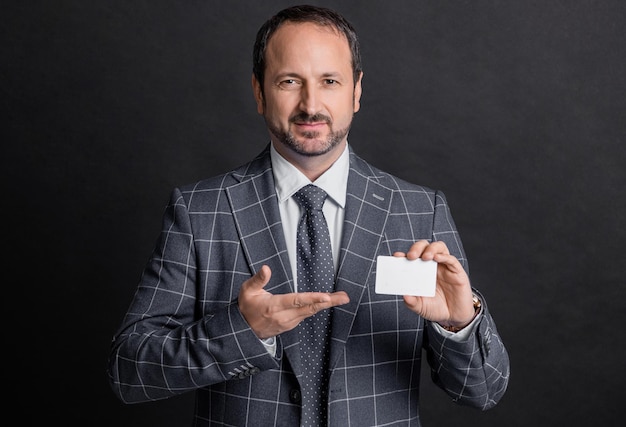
(255, 210)
(367, 208)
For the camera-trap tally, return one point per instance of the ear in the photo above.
(357, 93)
(258, 94)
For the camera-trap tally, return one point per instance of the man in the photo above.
(221, 306)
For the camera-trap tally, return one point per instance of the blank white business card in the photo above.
(400, 276)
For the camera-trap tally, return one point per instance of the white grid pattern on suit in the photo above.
(184, 332)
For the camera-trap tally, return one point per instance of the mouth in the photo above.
(310, 126)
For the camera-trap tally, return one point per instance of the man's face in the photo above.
(310, 97)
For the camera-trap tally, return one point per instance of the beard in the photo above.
(288, 139)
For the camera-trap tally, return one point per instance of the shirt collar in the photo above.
(289, 179)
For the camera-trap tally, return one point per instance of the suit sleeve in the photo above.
(474, 372)
(163, 347)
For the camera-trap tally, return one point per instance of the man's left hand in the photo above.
(452, 304)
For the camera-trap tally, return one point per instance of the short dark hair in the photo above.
(304, 13)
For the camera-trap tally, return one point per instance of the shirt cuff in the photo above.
(461, 335)
(270, 345)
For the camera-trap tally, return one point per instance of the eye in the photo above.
(288, 84)
(331, 82)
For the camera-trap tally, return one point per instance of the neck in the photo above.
(311, 166)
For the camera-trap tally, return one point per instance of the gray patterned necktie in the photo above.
(316, 273)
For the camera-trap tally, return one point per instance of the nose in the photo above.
(309, 99)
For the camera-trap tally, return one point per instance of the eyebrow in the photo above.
(326, 75)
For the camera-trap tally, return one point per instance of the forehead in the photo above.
(291, 27)
(294, 42)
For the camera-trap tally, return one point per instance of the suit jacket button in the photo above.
(294, 396)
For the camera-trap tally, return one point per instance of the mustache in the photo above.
(308, 118)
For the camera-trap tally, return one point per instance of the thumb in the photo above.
(413, 302)
(260, 279)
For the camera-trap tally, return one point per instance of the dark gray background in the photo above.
(515, 109)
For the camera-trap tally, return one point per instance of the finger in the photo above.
(417, 249)
(339, 298)
(433, 249)
(260, 279)
(412, 302)
(308, 303)
(448, 260)
(303, 299)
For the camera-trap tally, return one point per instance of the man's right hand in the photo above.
(269, 315)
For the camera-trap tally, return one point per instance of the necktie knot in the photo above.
(311, 197)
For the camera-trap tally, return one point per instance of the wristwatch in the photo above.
(477, 305)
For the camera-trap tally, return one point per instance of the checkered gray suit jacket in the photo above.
(183, 331)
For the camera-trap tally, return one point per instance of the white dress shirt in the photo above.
(289, 180)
